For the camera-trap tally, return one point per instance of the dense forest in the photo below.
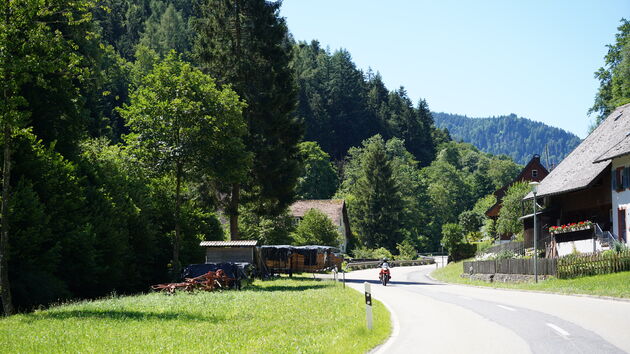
(134, 129)
(519, 138)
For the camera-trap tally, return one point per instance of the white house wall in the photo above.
(620, 199)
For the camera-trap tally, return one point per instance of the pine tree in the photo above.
(244, 43)
(377, 209)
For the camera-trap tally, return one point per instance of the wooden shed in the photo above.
(240, 251)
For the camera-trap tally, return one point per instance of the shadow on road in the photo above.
(393, 282)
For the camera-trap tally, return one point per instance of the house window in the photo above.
(534, 173)
(619, 179)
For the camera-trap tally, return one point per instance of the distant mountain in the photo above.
(519, 138)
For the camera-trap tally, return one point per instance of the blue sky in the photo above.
(481, 58)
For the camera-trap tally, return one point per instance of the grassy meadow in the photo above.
(277, 316)
(615, 285)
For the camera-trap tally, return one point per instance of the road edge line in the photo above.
(395, 328)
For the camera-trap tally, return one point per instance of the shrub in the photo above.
(505, 254)
(406, 251)
(316, 229)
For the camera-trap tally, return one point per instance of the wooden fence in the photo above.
(546, 266)
(591, 264)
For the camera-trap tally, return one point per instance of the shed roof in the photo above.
(333, 208)
(583, 165)
(236, 243)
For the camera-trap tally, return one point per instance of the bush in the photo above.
(406, 251)
(506, 254)
(366, 253)
(317, 229)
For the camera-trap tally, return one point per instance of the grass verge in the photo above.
(278, 316)
(615, 285)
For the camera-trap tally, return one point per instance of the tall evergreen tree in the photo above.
(244, 43)
(377, 208)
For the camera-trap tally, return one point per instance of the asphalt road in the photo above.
(432, 317)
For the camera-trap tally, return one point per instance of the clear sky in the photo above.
(534, 58)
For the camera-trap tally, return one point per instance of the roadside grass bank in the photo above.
(615, 285)
(276, 316)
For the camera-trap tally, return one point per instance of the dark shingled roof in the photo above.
(584, 164)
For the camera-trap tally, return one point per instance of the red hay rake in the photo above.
(206, 282)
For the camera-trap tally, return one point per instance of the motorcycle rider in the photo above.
(385, 269)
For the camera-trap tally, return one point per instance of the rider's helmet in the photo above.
(384, 259)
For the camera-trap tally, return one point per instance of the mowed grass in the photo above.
(615, 285)
(277, 316)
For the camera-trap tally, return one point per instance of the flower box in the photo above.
(572, 227)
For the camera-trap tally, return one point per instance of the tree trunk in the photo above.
(236, 190)
(5, 288)
(178, 228)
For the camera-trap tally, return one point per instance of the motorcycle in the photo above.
(384, 275)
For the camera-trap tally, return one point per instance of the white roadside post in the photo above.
(368, 305)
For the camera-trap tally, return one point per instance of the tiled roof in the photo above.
(584, 164)
(237, 243)
(333, 208)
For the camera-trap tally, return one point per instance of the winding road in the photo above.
(433, 317)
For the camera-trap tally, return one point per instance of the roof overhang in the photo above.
(235, 243)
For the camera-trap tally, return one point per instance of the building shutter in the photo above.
(626, 177)
(613, 181)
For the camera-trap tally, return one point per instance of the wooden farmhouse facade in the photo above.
(589, 184)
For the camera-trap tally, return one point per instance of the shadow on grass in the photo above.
(255, 287)
(122, 315)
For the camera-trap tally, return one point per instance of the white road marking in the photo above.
(465, 297)
(506, 308)
(561, 331)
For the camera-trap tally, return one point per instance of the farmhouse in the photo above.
(533, 171)
(335, 209)
(582, 186)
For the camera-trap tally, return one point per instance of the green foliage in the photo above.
(518, 138)
(268, 230)
(317, 229)
(377, 205)
(381, 253)
(506, 254)
(245, 45)
(318, 179)
(183, 126)
(179, 119)
(342, 106)
(471, 221)
(453, 240)
(508, 221)
(406, 251)
(614, 76)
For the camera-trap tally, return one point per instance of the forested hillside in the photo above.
(517, 137)
(132, 130)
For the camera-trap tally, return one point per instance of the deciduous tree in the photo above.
(183, 125)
